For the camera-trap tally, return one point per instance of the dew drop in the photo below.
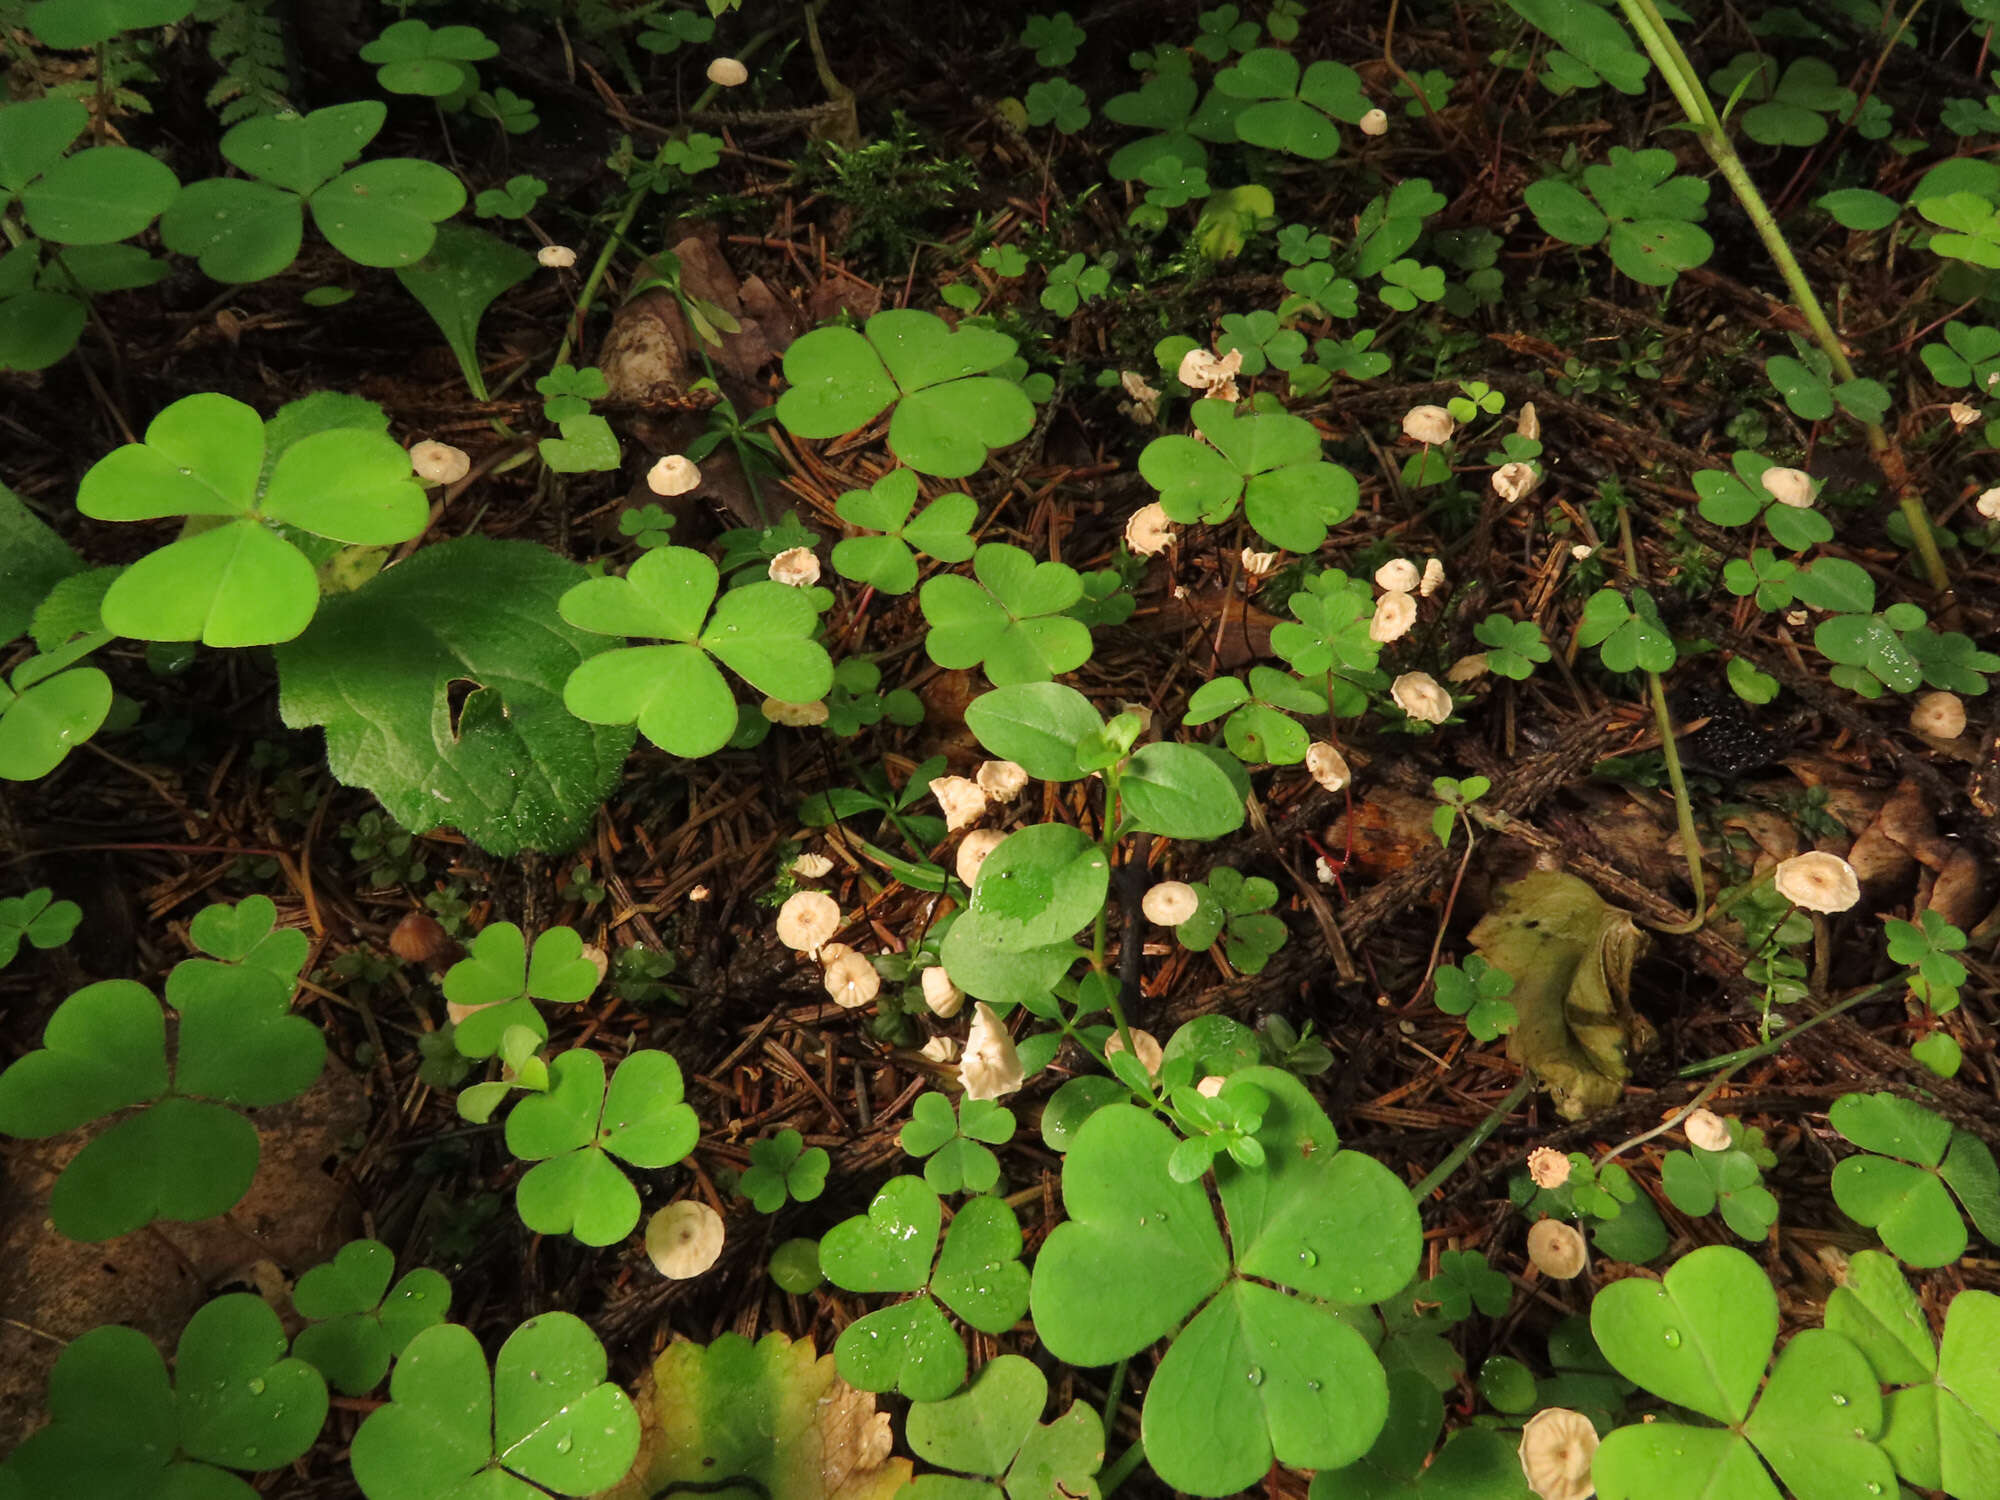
(565, 1443)
(1254, 1375)
(1142, 1221)
(1672, 1337)
(256, 1387)
(1873, 1487)
(1312, 1385)
(1308, 1258)
(186, 471)
(250, 1451)
(1838, 1399)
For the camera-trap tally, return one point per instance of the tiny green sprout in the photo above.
(698, 152)
(1236, 909)
(1795, 109)
(1513, 647)
(1406, 282)
(1053, 39)
(783, 1168)
(666, 32)
(507, 109)
(522, 1067)
(1901, 1193)
(1649, 214)
(36, 918)
(648, 525)
(1282, 1045)
(1317, 289)
(1478, 399)
(516, 199)
(942, 529)
(1299, 244)
(1057, 102)
(1465, 1281)
(357, 1322)
(1763, 575)
(1811, 388)
(1735, 499)
(1263, 343)
(411, 57)
(1222, 31)
(1010, 621)
(542, 1420)
(1226, 1123)
(1969, 356)
(1455, 796)
(495, 985)
(1007, 261)
(1925, 946)
(1071, 283)
(795, 1266)
(381, 851)
(1260, 729)
(1629, 636)
(857, 701)
(956, 1160)
(581, 887)
(1478, 991)
(639, 975)
(1701, 1179)
(587, 443)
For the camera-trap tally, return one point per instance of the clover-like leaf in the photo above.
(1010, 621)
(887, 562)
(783, 1167)
(358, 1322)
(411, 57)
(1901, 1192)
(37, 918)
(1293, 112)
(1269, 463)
(1700, 1337)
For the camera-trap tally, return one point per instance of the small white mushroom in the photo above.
(1548, 1167)
(941, 1049)
(1145, 1046)
(1706, 1129)
(1211, 1086)
(1818, 882)
(1962, 414)
(1428, 424)
(556, 257)
(1169, 903)
(684, 1239)
(675, 474)
(1418, 695)
(961, 799)
(1257, 564)
(1202, 371)
(793, 715)
(439, 463)
(1939, 715)
(972, 852)
(727, 72)
(1001, 780)
(812, 866)
(1793, 487)
(851, 981)
(1557, 1249)
(1374, 122)
(1988, 503)
(795, 567)
(943, 997)
(1515, 481)
(1529, 424)
(1433, 578)
(807, 920)
(1144, 407)
(1149, 531)
(990, 1067)
(1557, 1448)
(1327, 766)
(1581, 551)
(1467, 668)
(1395, 613)
(1398, 576)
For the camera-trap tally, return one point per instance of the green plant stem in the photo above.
(1107, 841)
(596, 277)
(1434, 1178)
(1679, 72)
(1734, 1060)
(1122, 1468)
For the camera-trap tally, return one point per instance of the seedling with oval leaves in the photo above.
(1699, 1181)
(942, 529)
(357, 1321)
(234, 578)
(675, 693)
(1899, 1190)
(950, 409)
(1260, 729)
(120, 1427)
(500, 984)
(1236, 909)
(573, 1131)
(910, 1347)
(1010, 621)
(187, 1154)
(1269, 463)
(783, 1168)
(542, 1421)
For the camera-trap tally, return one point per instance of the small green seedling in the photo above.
(1811, 388)
(573, 1131)
(1454, 796)
(36, 918)
(857, 701)
(949, 410)
(1290, 110)
(1260, 729)
(323, 466)
(887, 563)
(993, 1429)
(1010, 621)
(909, 1347)
(118, 1426)
(1053, 39)
(1649, 214)
(521, 1067)
(1474, 1461)
(356, 1322)
(1900, 1193)
(1621, 1220)
(1058, 102)
(1225, 1124)
(1630, 636)
(675, 693)
(1270, 464)
(1263, 343)
(1478, 991)
(1072, 283)
(956, 1160)
(587, 443)
(1237, 909)
(1926, 946)
(1869, 650)
(1698, 1181)
(1795, 109)
(1466, 1281)
(544, 1420)
(499, 985)
(667, 31)
(381, 213)
(1736, 499)
(1513, 647)
(187, 1154)
(514, 199)
(412, 57)
(783, 1168)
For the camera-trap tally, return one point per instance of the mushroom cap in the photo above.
(961, 798)
(1002, 780)
(1793, 487)
(1963, 414)
(941, 1049)
(1548, 1167)
(1145, 1046)
(1199, 370)
(807, 920)
(675, 474)
(1557, 1249)
(556, 257)
(1433, 578)
(990, 1067)
(1149, 531)
(943, 997)
(439, 463)
(1399, 576)
(972, 852)
(1374, 122)
(794, 715)
(812, 866)
(683, 1239)
(1257, 564)
(1529, 423)
(1211, 1086)
(727, 72)
(1418, 695)
(1557, 1446)
(1939, 715)
(796, 567)
(1818, 882)
(1170, 903)
(419, 938)
(1467, 668)
(1988, 503)
(1395, 613)
(1326, 765)
(1428, 424)
(1706, 1129)
(851, 981)
(1581, 550)
(1515, 481)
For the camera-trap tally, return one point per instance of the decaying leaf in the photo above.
(773, 1414)
(1570, 954)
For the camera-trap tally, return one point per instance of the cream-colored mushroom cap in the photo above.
(1211, 1086)
(1394, 614)
(807, 920)
(1557, 1448)
(1326, 765)
(1418, 695)
(1428, 424)
(1939, 715)
(941, 1049)
(1399, 576)
(439, 463)
(556, 257)
(793, 715)
(795, 567)
(675, 474)
(961, 799)
(1145, 1046)
(1548, 1167)
(943, 997)
(1374, 122)
(1002, 780)
(972, 852)
(1706, 1129)
(1793, 487)
(1557, 1249)
(1988, 503)
(1515, 481)
(1257, 564)
(1200, 370)
(990, 1066)
(683, 1239)
(727, 72)
(1169, 903)
(1468, 668)
(851, 981)
(1581, 550)
(1818, 882)
(1149, 531)
(1963, 414)
(812, 866)
(1433, 578)
(1529, 424)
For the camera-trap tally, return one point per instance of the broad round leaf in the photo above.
(1700, 1337)
(180, 1159)
(111, 1430)
(1818, 1419)
(920, 351)
(763, 633)
(674, 693)
(34, 133)
(981, 1429)
(908, 1347)
(385, 213)
(1178, 792)
(581, 1194)
(104, 1049)
(948, 429)
(239, 584)
(99, 196)
(1667, 1461)
(201, 457)
(38, 328)
(1036, 725)
(239, 231)
(241, 1403)
(1907, 1205)
(835, 383)
(239, 1041)
(71, 25)
(301, 152)
(1038, 887)
(39, 728)
(979, 1272)
(666, 596)
(889, 1248)
(348, 485)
